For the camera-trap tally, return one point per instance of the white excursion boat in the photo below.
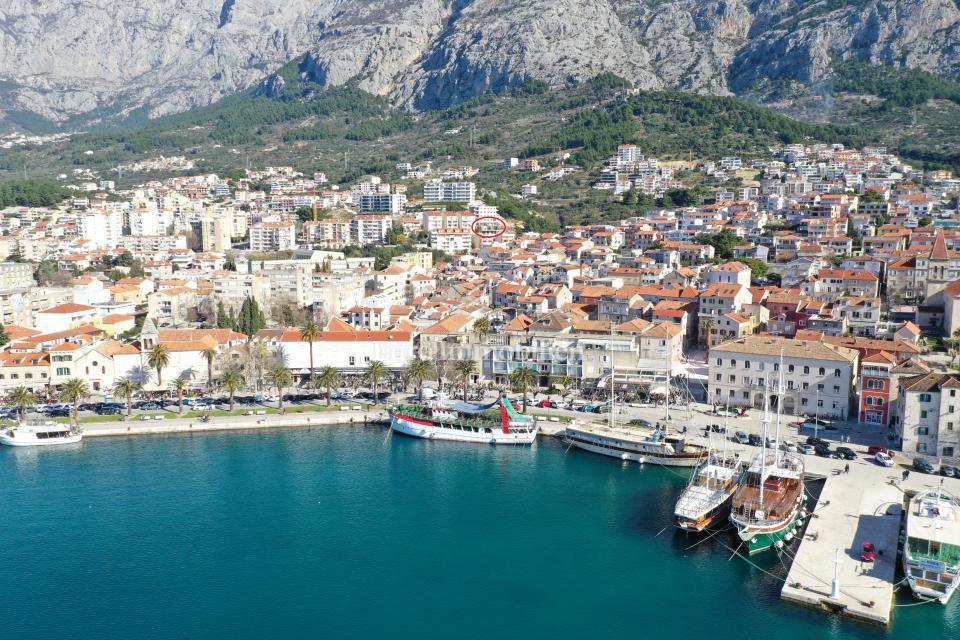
(635, 444)
(39, 435)
(495, 423)
(931, 552)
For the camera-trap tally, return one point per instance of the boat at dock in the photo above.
(707, 499)
(931, 551)
(496, 423)
(767, 508)
(39, 435)
(635, 444)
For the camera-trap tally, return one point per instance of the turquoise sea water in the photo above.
(351, 532)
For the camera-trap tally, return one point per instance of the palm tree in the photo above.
(520, 380)
(209, 355)
(258, 355)
(375, 371)
(231, 382)
(707, 325)
(179, 386)
(329, 379)
(309, 333)
(126, 387)
(564, 382)
(481, 327)
(465, 369)
(420, 370)
(280, 378)
(159, 358)
(75, 390)
(22, 398)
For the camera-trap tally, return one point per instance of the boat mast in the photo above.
(765, 420)
(613, 400)
(776, 439)
(666, 401)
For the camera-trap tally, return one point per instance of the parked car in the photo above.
(868, 553)
(717, 428)
(726, 413)
(947, 470)
(824, 451)
(846, 453)
(875, 449)
(921, 465)
(807, 449)
(882, 459)
(789, 446)
(547, 404)
(149, 406)
(741, 437)
(817, 442)
(754, 440)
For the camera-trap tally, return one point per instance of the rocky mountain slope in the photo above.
(77, 61)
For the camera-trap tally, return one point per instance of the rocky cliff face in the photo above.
(90, 58)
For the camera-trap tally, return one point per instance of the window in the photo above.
(803, 401)
(746, 364)
(63, 371)
(759, 366)
(948, 452)
(789, 384)
(923, 430)
(746, 380)
(819, 387)
(819, 403)
(733, 378)
(746, 395)
(878, 402)
(719, 362)
(924, 397)
(731, 393)
(719, 377)
(733, 364)
(806, 370)
(950, 409)
(790, 368)
(953, 393)
(776, 366)
(353, 361)
(28, 376)
(836, 373)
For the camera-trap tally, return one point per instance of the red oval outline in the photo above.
(473, 229)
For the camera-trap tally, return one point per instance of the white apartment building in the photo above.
(369, 229)
(102, 228)
(392, 203)
(434, 220)
(273, 236)
(452, 241)
(16, 275)
(928, 414)
(440, 191)
(817, 377)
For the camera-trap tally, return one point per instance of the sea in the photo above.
(351, 532)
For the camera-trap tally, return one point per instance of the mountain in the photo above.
(77, 62)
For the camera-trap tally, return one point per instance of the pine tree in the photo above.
(223, 320)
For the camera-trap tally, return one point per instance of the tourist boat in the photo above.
(34, 435)
(768, 506)
(931, 551)
(707, 499)
(495, 423)
(636, 444)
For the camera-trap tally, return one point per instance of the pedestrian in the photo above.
(846, 468)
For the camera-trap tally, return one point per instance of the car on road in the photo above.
(817, 442)
(807, 449)
(824, 451)
(789, 446)
(921, 465)
(846, 453)
(882, 459)
(875, 449)
(869, 552)
(948, 471)
(754, 440)
(741, 437)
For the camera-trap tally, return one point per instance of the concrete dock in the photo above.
(851, 510)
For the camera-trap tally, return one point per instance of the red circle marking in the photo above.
(497, 234)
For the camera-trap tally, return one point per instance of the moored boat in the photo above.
(707, 499)
(635, 444)
(36, 435)
(495, 423)
(931, 551)
(767, 508)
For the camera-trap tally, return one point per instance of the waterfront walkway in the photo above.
(231, 423)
